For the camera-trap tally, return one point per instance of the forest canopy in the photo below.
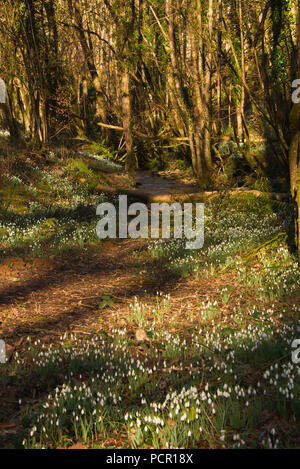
(180, 72)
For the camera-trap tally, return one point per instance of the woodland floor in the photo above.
(51, 296)
(48, 297)
(90, 288)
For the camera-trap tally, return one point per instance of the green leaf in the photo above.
(192, 414)
(226, 331)
(106, 301)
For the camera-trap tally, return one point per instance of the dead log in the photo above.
(146, 196)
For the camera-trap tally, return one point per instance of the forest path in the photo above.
(155, 184)
(152, 187)
(48, 297)
(55, 295)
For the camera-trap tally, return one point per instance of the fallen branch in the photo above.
(188, 197)
(141, 135)
(280, 237)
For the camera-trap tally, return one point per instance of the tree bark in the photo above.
(294, 150)
(87, 49)
(127, 123)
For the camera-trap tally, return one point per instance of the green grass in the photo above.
(51, 215)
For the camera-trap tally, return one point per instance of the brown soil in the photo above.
(44, 297)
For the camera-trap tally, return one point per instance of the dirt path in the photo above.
(155, 188)
(55, 295)
(152, 187)
(155, 185)
(45, 298)
(52, 296)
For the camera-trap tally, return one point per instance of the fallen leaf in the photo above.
(9, 427)
(77, 446)
(141, 335)
(9, 351)
(171, 423)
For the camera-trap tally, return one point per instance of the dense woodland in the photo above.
(176, 74)
(136, 343)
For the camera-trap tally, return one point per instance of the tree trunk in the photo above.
(294, 149)
(87, 49)
(127, 123)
